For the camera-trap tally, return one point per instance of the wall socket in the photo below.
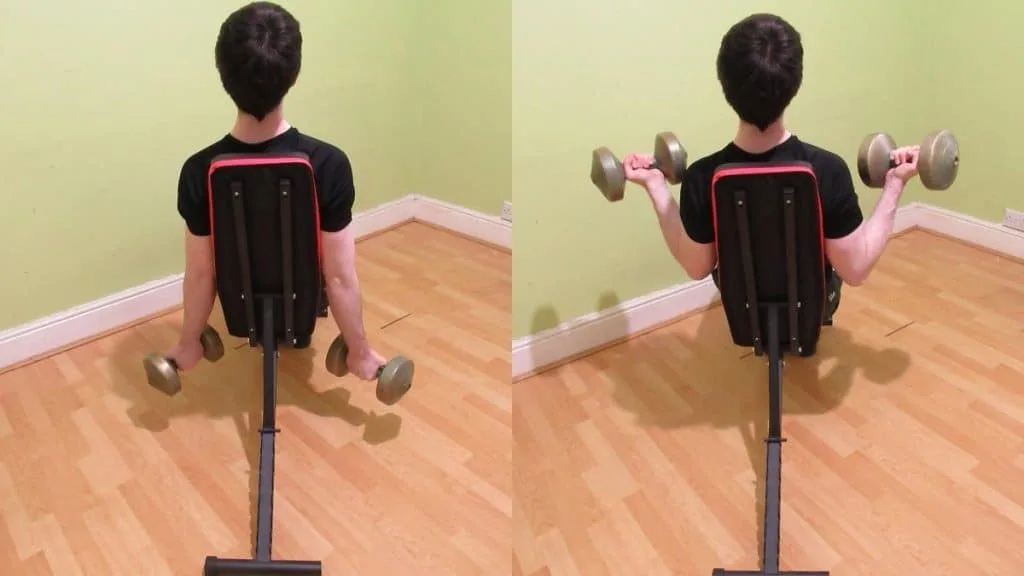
(1014, 219)
(506, 211)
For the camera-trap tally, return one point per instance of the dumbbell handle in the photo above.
(652, 166)
(893, 163)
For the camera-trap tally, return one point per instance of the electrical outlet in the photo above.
(506, 211)
(1014, 219)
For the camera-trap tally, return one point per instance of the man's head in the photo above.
(760, 67)
(259, 54)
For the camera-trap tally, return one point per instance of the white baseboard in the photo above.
(58, 331)
(988, 235)
(384, 216)
(575, 338)
(88, 320)
(908, 217)
(585, 333)
(483, 227)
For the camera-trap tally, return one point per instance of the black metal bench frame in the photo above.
(265, 334)
(761, 317)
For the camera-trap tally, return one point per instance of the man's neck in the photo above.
(252, 131)
(754, 141)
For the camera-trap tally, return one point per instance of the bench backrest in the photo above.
(770, 243)
(266, 234)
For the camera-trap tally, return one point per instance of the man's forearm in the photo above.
(878, 229)
(200, 292)
(679, 244)
(346, 302)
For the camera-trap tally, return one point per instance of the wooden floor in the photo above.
(99, 475)
(905, 450)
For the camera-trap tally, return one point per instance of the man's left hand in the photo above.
(186, 354)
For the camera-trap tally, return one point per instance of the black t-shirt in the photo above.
(331, 169)
(841, 213)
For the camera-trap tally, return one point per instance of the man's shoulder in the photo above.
(320, 150)
(331, 166)
(704, 167)
(823, 159)
(322, 154)
(200, 160)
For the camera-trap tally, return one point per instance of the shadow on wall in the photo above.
(692, 374)
(232, 388)
(608, 303)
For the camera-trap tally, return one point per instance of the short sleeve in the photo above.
(337, 192)
(695, 208)
(192, 198)
(841, 207)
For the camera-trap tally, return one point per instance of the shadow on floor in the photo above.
(694, 375)
(233, 388)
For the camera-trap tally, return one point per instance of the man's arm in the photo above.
(339, 251)
(343, 292)
(200, 291)
(855, 255)
(696, 258)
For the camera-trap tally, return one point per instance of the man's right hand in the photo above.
(187, 353)
(364, 363)
(640, 170)
(906, 159)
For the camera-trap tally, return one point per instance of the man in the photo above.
(259, 55)
(760, 68)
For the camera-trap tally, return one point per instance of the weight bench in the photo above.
(266, 236)
(771, 275)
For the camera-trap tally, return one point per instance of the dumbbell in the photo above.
(162, 372)
(394, 379)
(609, 175)
(937, 165)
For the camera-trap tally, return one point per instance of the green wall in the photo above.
(469, 102)
(104, 101)
(976, 89)
(614, 74)
(465, 90)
